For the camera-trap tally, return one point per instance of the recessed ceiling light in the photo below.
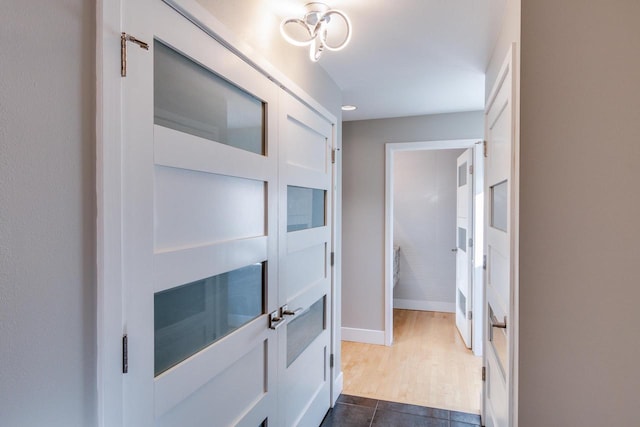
(348, 107)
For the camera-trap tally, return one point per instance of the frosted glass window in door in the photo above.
(499, 207)
(462, 175)
(192, 316)
(462, 302)
(305, 208)
(462, 239)
(304, 328)
(190, 98)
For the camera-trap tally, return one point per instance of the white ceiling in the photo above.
(412, 57)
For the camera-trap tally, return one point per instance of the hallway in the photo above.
(427, 365)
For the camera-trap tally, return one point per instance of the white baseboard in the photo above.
(367, 336)
(410, 304)
(338, 385)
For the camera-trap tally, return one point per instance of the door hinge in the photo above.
(125, 354)
(471, 170)
(469, 315)
(484, 373)
(331, 360)
(484, 262)
(124, 38)
(333, 155)
(485, 150)
(333, 258)
(470, 242)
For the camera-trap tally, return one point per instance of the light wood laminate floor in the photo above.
(427, 365)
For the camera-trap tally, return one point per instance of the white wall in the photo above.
(47, 214)
(48, 204)
(580, 206)
(424, 215)
(363, 203)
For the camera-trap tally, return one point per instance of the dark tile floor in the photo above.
(353, 411)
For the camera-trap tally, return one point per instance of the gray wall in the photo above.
(363, 203)
(48, 203)
(580, 206)
(47, 214)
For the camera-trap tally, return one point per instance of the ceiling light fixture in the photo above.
(315, 22)
(349, 107)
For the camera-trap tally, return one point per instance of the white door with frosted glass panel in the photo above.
(499, 247)
(200, 228)
(305, 272)
(464, 252)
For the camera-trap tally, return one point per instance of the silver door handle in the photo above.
(497, 324)
(275, 321)
(284, 311)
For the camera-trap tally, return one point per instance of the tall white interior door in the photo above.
(304, 373)
(200, 237)
(499, 247)
(226, 294)
(464, 246)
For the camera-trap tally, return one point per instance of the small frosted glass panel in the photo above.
(305, 208)
(499, 206)
(304, 328)
(189, 98)
(190, 317)
(462, 302)
(462, 239)
(462, 175)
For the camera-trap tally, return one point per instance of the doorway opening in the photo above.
(434, 227)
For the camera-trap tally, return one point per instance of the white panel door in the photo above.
(200, 192)
(305, 263)
(499, 247)
(464, 247)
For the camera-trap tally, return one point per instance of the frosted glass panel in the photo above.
(462, 302)
(189, 317)
(191, 99)
(462, 239)
(304, 328)
(462, 174)
(499, 206)
(305, 208)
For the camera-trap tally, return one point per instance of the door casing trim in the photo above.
(390, 149)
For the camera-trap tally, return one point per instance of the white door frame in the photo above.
(109, 307)
(390, 149)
